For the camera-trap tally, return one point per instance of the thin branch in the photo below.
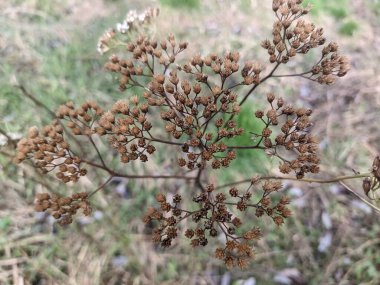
(270, 74)
(101, 186)
(164, 141)
(235, 204)
(97, 151)
(135, 176)
(198, 180)
(246, 147)
(51, 113)
(291, 75)
(308, 180)
(360, 197)
(253, 89)
(35, 100)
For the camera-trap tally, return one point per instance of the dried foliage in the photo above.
(196, 100)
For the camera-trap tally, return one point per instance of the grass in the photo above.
(248, 162)
(348, 28)
(67, 70)
(181, 4)
(339, 10)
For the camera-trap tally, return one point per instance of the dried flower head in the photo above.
(193, 106)
(50, 152)
(63, 208)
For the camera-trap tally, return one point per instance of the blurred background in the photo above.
(49, 47)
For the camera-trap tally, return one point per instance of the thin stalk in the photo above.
(360, 197)
(308, 180)
(97, 151)
(101, 186)
(135, 176)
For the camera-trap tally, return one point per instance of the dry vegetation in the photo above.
(332, 237)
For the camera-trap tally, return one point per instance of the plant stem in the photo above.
(308, 180)
(246, 147)
(97, 151)
(101, 186)
(135, 176)
(360, 197)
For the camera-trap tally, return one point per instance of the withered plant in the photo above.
(196, 101)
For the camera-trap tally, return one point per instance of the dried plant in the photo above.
(196, 101)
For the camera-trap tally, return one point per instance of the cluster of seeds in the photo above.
(63, 208)
(292, 36)
(146, 56)
(331, 65)
(126, 124)
(186, 109)
(80, 121)
(294, 136)
(214, 218)
(169, 215)
(277, 212)
(199, 156)
(189, 113)
(236, 252)
(50, 151)
(223, 67)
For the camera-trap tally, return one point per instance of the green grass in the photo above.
(67, 70)
(248, 162)
(339, 10)
(181, 4)
(348, 28)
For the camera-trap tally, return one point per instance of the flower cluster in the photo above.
(132, 23)
(125, 126)
(145, 55)
(133, 20)
(63, 208)
(192, 105)
(223, 67)
(292, 36)
(215, 217)
(331, 65)
(50, 151)
(80, 121)
(191, 115)
(279, 211)
(106, 40)
(294, 136)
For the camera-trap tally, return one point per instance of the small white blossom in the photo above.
(122, 28)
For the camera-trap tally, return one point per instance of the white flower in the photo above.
(131, 16)
(142, 18)
(122, 28)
